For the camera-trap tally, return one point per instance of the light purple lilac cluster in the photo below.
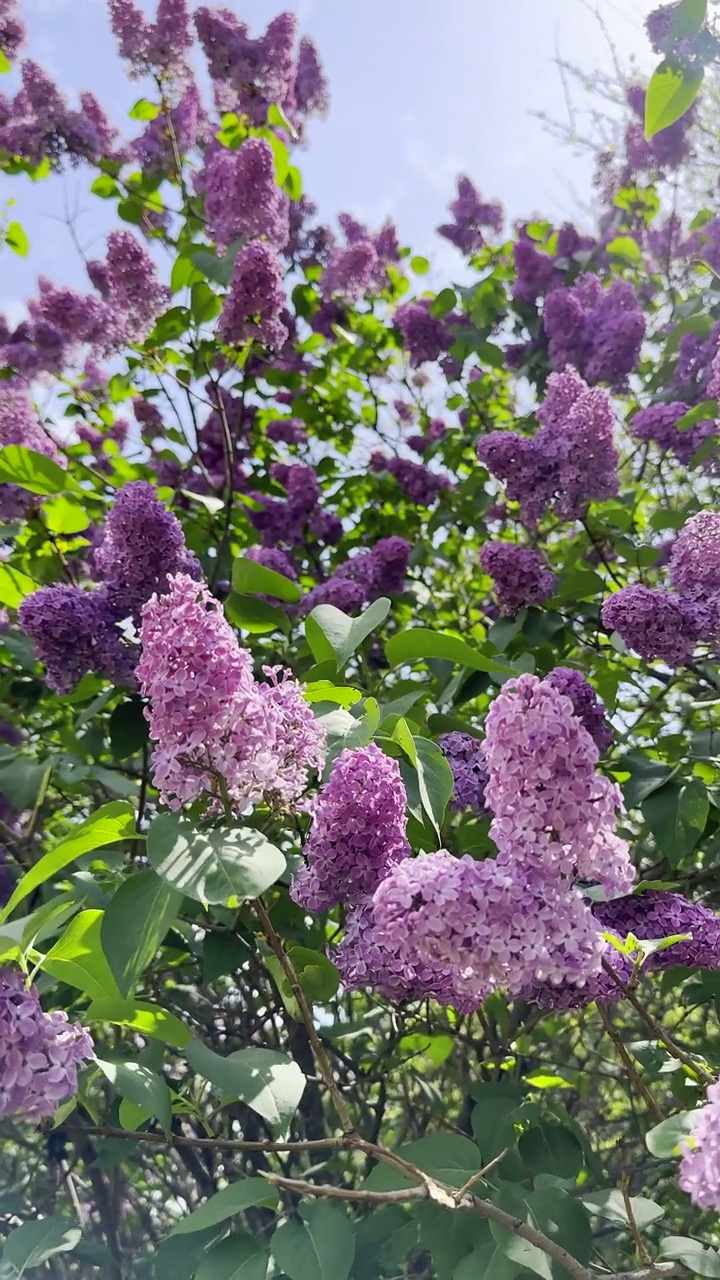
(38, 124)
(519, 575)
(648, 916)
(171, 135)
(254, 305)
(40, 1053)
(162, 46)
(700, 1163)
(472, 218)
(599, 330)
(669, 624)
(19, 424)
(570, 461)
(12, 30)
(380, 571)
(466, 757)
(242, 198)
(219, 733)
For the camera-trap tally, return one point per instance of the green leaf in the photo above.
(65, 516)
(322, 1247)
(204, 305)
(435, 779)
(551, 1148)
(660, 812)
(16, 239)
(221, 953)
(610, 1204)
(317, 974)
(496, 1108)
(292, 183)
(115, 821)
(624, 247)
(144, 110)
(5, 63)
(382, 1241)
(420, 642)
(239, 1257)
(268, 1082)
(255, 616)
(559, 1216)
(134, 924)
(178, 1257)
(688, 18)
(78, 959)
(137, 1083)
(128, 729)
(226, 1203)
(692, 813)
(212, 865)
(22, 781)
(699, 1260)
(248, 577)
(34, 1242)
(105, 187)
(331, 634)
(30, 470)
(703, 412)
(450, 1157)
(420, 266)
(671, 92)
(14, 586)
(450, 1237)
(665, 1139)
(145, 1018)
(218, 269)
(443, 303)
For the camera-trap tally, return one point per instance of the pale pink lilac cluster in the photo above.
(40, 1053)
(466, 757)
(358, 831)
(242, 198)
(142, 545)
(253, 307)
(700, 1163)
(219, 733)
(519, 575)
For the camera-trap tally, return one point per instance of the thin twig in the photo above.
(629, 1065)
(212, 1144)
(673, 1049)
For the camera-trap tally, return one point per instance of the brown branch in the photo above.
(212, 1144)
(673, 1049)
(629, 1065)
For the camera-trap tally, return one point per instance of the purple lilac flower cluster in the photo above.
(668, 624)
(586, 705)
(419, 483)
(665, 150)
(218, 731)
(37, 124)
(19, 424)
(598, 330)
(700, 1162)
(466, 757)
(291, 520)
(40, 1053)
(73, 632)
(380, 571)
(162, 46)
(253, 307)
(424, 336)
(242, 198)
(519, 576)
(472, 218)
(361, 264)
(12, 30)
(171, 134)
(572, 459)
(658, 424)
(648, 916)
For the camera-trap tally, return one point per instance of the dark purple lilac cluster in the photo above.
(424, 336)
(358, 831)
(287, 431)
(665, 150)
(142, 544)
(649, 916)
(472, 218)
(254, 305)
(19, 424)
(299, 517)
(465, 755)
(586, 705)
(597, 329)
(40, 1053)
(419, 483)
(519, 575)
(657, 424)
(12, 30)
(380, 571)
(171, 134)
(74, 632)
(359, 266)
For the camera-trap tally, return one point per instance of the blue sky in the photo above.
(421, 90)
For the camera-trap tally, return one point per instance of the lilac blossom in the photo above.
(242, 198)
(655, 623)
(142, 545)
(40, 1053)
(598, 330)
(421, 485)
(72, 632)
(424, 337)
(700, 1162)
(12, 30)
(585, 703)
(535, 271)
(465, 755)
(577, 429)
(657, 424)
(253, 308)
(287, 431)
(695, 564)
(519, 576)
(311, 87)
(472, 218)
(348, 272)
(358, 831)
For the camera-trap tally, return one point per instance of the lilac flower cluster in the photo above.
(424, 336)
(519, 575)
(585, 703)
(219, 732)
(12, 30)
(74, 632)
(40, 1053)
(291, 520)
(655, 623)
(134, 294)
(665, 150)
(142, 545)
(253, 307)
(421, 485)
(287, 431)
(472, 218)
(171, 134)
(162, 46)
(37, 124)
(695, 564)
(19, 424)
(572, 456)
(242, 198)
(275, 559)
(700, 1163)
(358, 831)
(658, 424)
(367, 958)
(380, 571)
(59, 321)
(466, 758)
(535, 271)
(648, 916)
(598, 330)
